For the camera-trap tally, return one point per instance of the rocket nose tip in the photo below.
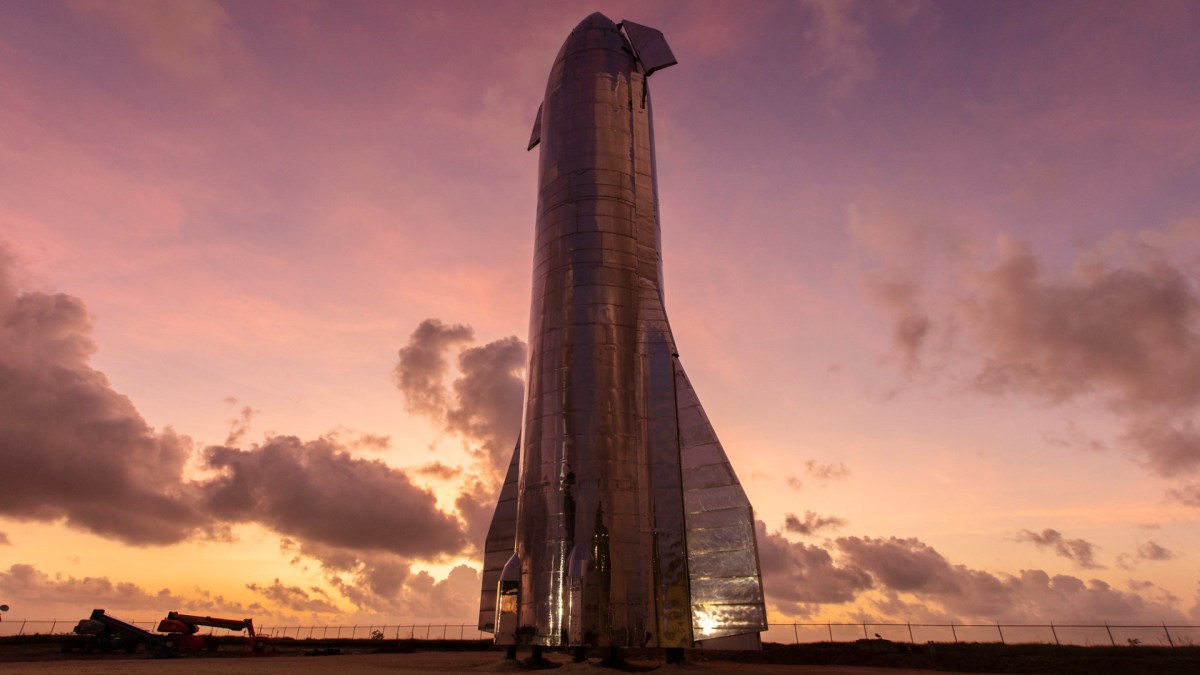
(595, 20)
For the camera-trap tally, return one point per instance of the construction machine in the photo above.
(182, 629)
(108, 633)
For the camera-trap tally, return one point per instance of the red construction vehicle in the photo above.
(181, 632)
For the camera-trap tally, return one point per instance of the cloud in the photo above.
(423, 366)
(1078, 551)
(4, 541)
(482, 405)
(912, 324)
(1188, 494)
(30, 588)
(194, 42)
(385, 584)
(794, 483)
(70, 446)
(800, 577)
(439, 471)
(317, 491)
(1121, 327)
(1127, 331)
(488, 398)
(1152, 551)
(837, 45)
(826, 471)
(811, 524)
(311, 601)
(917, 581)
(73, 449)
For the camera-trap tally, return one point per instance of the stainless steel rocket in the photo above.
(621, 522)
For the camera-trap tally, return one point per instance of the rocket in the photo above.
(621, 522)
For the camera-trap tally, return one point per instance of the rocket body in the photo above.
(621, 522)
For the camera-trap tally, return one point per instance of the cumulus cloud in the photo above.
(935, 587)
(799, 577)
(71, 447)
(4, 541)
(811, 524)
(488, 398)
(1129, 331)
(482, 405)
(1122, 327)
(319, 492)
(381, 583)
(1078, 551)
(423, 366)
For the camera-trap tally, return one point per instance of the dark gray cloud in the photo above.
(1122, 328)
(422, 368)
(385, 584)
(482, 406)
(1153, 551)
(488, 398)
(319, 492)
(1127, 331)
(917, 581)
(439, 471)
(800, 577)
(1078, 551)
(306, 601)
(811, 524)
(71, 447)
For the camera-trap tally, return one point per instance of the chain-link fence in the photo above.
(1167, 635)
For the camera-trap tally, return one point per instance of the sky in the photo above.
(931, 266)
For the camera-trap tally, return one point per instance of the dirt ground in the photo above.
(418, 662)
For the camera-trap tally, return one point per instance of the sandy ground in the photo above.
(419, 662)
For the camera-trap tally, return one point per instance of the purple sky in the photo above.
(932, 268)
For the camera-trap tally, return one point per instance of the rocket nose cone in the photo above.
(596, 20)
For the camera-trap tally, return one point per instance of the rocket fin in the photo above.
(722, 551)
(500, 543)
(536, 136)
(650, 47)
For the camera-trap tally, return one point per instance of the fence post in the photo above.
(953, 632)
(1001, 632)
(864, 630)
(21, 630)
(795, 633)
(1169, 640)
(1055, 634)
(910, 637)
(1110, 637)
(52, 625)
(830, 627)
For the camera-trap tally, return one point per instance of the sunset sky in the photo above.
(931, 266)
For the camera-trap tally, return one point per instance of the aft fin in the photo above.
(722, 551)
(501, 541)
(536, 136)
(649, 46)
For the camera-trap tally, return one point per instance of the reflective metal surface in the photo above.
(631, 528)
